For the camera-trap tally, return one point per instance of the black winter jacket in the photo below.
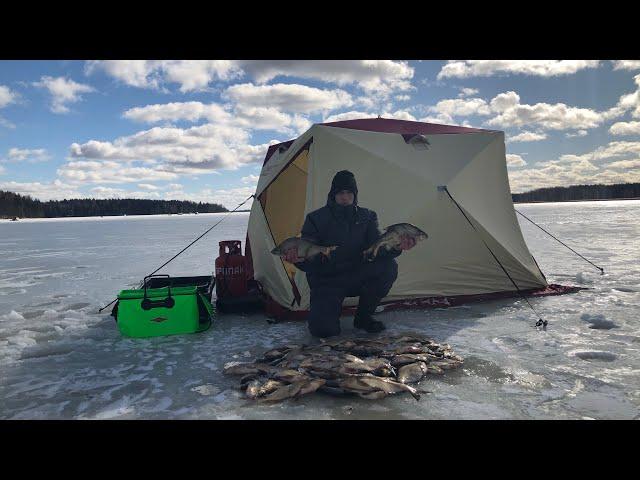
(353, 229)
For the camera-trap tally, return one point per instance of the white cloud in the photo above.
(55, 190)
(580, 167)
(300, 124)
(505, 101)
(439, 119)
(352, 115)
(107, 192)
(245, 117)
(616, 162)
(626, 64)
(29, 155)
(625, 164)
(288, 97)
(560, 175)
(196, 75)
(625, 128)
(110, 172)
(147, 186)
(509, 112)
(267, 118)
(371, 102)
(514, 160)
(7, 96)
(136, 73)
(101, 192)
(380, 76)
(527, 137)
(403, 98)
(199, 144)
(63, 91)
(161, 153)
(177, 111)
(632, 100)
(399, 115)
(486, 68)
(191, 75)
(2, 170)
(459, 107)
(6, 123)
(613, 151)
(558, 116)
(250, 179)
(229, 198)
(468, 92)
(579, 133)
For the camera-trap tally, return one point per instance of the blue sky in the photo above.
(198, 130)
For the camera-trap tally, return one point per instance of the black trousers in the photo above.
(370, 281)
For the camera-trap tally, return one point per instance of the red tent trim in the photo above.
(389, 125)
(275, 310)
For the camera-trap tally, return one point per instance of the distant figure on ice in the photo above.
(346, 272)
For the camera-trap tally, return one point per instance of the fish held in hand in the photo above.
(305, 248)
(392, 238)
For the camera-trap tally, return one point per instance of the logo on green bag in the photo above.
(159, 319)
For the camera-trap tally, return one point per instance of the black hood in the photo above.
(343, 180)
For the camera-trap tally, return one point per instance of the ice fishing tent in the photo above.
(399, 166)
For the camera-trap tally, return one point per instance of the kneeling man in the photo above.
(342, 222)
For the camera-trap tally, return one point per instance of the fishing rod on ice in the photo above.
(599, 268)
(185, 248)
(541, 322)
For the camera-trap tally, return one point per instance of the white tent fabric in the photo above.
(400, 182)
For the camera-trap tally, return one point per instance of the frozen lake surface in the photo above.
(59, 359)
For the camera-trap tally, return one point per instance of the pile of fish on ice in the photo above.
(371, 368)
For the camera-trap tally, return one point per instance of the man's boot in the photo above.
(367, 323)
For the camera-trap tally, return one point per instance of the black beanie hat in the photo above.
(344, 180)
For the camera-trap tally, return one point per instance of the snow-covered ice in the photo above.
(59, 358)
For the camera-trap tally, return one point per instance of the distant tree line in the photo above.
(23, 206)
(579, 192)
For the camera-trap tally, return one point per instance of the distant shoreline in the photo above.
(581, 200)
(7, 219)
(114, 217)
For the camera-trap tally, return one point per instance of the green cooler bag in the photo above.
(152, 312)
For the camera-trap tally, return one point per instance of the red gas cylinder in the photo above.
(231, 277)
